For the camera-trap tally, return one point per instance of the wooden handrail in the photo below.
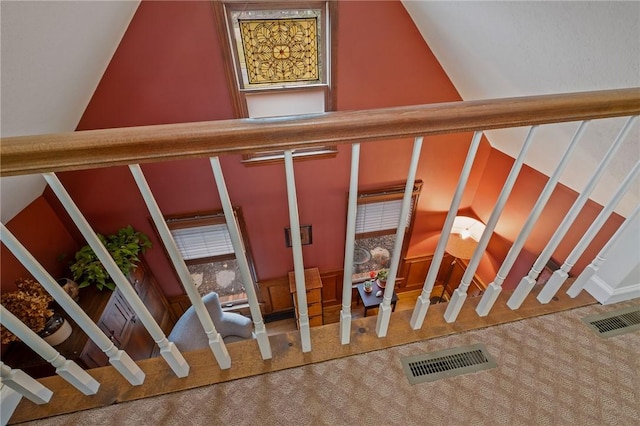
(144, 144)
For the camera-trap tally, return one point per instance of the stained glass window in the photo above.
(280, 48)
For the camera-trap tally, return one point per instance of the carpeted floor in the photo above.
(552, 370)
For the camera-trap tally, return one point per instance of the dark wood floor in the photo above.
(287, 353)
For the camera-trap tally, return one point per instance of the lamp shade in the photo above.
(459, 247)
(468, 227)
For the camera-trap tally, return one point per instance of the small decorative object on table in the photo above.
(70, 287)
(367, 286)
(382, 277)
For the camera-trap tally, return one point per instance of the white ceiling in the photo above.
(54, 53)
(521, 48)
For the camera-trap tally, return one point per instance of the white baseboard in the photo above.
(606, 295)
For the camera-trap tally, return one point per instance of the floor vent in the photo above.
(447, 363)
(615, 323)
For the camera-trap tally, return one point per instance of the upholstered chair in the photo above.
(188, 334)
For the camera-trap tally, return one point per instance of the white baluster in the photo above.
(527, 282)
(25, 385)
(384, 311)
(120, 360)
(168, 350)
(559, 276)
(68, 370)
(495, 287)
(593, 267)
(460, 294)
(215, 340)
(349, 247)
(423, 302)
(241, 257)
(296, 245)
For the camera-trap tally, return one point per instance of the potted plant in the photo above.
(367, 286)
(382, 277)
(124, 247)
(30, 304)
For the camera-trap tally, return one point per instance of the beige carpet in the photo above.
(552, 370)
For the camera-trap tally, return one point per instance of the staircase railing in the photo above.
(47, 154)
(124, 146)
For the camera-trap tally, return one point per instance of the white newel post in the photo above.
(296, 245)
(460, 294)
(68, 370)
(423, 302)
(625, 229)
(25, 385)
(495, 287)
(349, 247)
(168, 350)
(241, 256)
(215, 340)
(384, 311)
(527, 282)
(559, 276)
(120, 360)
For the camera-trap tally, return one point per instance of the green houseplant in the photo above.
(124, 247)
(383, 274)
(382, 277)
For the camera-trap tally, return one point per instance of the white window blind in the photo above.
(381, 216)
(203, 241)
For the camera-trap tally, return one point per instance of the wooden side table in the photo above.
(313, 285)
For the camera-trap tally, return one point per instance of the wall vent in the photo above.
(447, 363)
(614, 323)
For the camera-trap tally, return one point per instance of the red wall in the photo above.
(523, 197)
(39, 229)
(168, 69)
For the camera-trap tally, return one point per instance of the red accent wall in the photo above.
(523, 197)
(169, 68)
(39, 229)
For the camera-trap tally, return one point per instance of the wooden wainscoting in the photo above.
(414, 271)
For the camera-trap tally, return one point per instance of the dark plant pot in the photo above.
(56, 330)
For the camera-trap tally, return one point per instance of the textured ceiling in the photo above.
(505, 49)
(54, 53)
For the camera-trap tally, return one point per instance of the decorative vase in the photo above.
(56, 331)
(70, 287)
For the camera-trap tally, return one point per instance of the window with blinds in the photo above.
(201, 242)
(204, 242)
(379, 216)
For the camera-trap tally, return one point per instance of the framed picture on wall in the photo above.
(305, 235)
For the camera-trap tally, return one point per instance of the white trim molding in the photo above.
(607, 295)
